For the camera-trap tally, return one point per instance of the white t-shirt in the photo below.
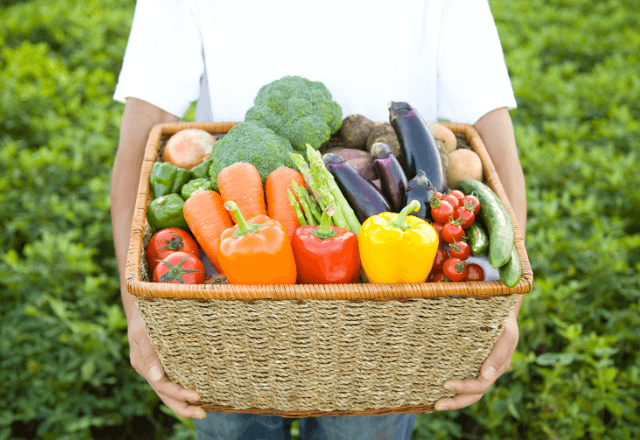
(441, 56)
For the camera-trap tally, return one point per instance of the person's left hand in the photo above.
(498, 362)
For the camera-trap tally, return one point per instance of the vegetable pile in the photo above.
(263, 205)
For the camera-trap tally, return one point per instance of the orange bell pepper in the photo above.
(257, 251)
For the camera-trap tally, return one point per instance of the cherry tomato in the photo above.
(453, 200)
(440, 278)
(474, 272)
(167, 241)
(465, 215)
(179, 267)
(454, 269)
(459, 249)
(457, 194)
(452, 231)
(472, 199)
(441, 255)
(441, 210)
(438, 227)
(432, 275)
(437, 195)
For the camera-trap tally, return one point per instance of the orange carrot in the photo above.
(278, 205)
(205, 214)
(241, 183)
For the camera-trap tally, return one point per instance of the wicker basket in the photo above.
(318, 350)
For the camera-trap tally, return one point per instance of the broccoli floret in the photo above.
(249, 142)
(298, 109)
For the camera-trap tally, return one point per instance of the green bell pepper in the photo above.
(201, 170)
(167, 179)
(193, 185)
(166, 212)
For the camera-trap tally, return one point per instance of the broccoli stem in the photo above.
(301, 192)
(320, 173)
(296, 208)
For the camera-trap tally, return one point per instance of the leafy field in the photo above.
(64, 369)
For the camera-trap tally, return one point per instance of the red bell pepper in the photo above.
(326, 254)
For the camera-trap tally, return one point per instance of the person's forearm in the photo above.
(496, 130)
(137, 120)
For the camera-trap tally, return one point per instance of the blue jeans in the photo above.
(219, 426)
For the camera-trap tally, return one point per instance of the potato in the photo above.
(361, 160)
(384, 133)
(443, 136)
(355, 131)
(464, 164)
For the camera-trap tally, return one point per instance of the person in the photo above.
(442, 56)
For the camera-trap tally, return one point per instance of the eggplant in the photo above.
(363, 196)
(418, 145)
(419, 188)
(393, 180)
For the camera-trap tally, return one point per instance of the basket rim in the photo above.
(299, 292)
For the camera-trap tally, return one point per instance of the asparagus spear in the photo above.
(296, 208)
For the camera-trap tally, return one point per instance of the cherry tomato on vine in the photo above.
(179, 267)
(432, 275)
(454, 269)
(474, 272)
(437, 195)
(466, 215)
(167, 241)
(438, 227)
(440, 278)
(453, 200)
(459, 249)
(440, 210)
(457, 194)
(472, 199)
(441, 255)
(452, 231)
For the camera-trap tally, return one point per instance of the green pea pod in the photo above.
(193, 185)
(166, 212)
(201, 170)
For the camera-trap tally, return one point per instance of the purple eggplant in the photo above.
(393, 180)
(418, 145)
(363, 196)
(419, 188)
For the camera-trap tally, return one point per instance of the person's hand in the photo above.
(146, 362)
(469, 391)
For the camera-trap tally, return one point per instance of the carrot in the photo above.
(205, 214)
(278, 203)
(241, 183)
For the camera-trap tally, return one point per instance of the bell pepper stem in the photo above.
(325, 231)
(244, 228)
(401, 220)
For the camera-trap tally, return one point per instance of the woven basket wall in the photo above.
(316, 350)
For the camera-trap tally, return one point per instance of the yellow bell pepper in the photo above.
(397, 248)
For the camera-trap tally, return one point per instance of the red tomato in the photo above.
(167, 241)
(454, 269)
(474, 272)
(459, 249)
(438, 227)
(437, 195)
(179, 267)
(440, 278)
(453, 200)
(441, 255)
(474, 200)
(432, 275)
(465, 215)
(452, 231)
(457, 194)
(441, 210)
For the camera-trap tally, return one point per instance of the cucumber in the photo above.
(511, 271)
(478, 239)
(496, 218)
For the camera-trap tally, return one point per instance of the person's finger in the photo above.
(458, 402)
(175, 391)
(182, 408)
(496, 364)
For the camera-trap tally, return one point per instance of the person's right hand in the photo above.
(146, 362)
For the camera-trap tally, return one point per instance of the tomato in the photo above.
(466, 216)
(459, 249)
(453, 200)
(471, 199)
(440, 278)
(454, 269)
(167, 241)
(179, 267)
(437, 195)
(474, 272)
(457, 194)
(452, 231)
(438, 227)
(432, 275)
(441, 255)
(441, 210)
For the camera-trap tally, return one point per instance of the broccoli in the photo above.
(298, 109)
(249, 142)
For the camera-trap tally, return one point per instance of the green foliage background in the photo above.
(64, 369)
